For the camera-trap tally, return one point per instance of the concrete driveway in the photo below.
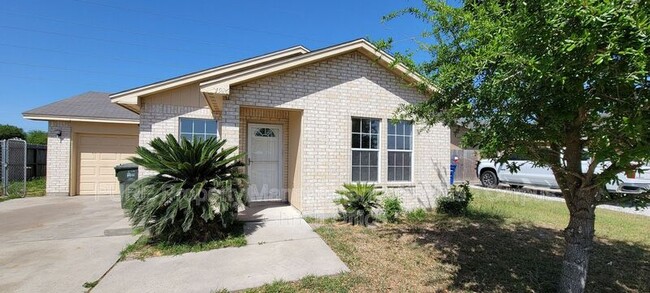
(56, 244)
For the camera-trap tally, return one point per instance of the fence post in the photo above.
(24, 168)
(3, 167)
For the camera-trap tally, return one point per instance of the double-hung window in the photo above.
(192, 128)
(365, 150)
(400, 151)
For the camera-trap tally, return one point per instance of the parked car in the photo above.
(492, 174)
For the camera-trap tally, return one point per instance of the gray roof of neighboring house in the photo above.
(91, 105)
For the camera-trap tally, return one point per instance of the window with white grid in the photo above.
(400, 151)
(365, 150)
(191, 128)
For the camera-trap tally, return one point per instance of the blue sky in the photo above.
(50, 50)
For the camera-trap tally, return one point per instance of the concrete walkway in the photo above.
(281, 246)
(56, 244)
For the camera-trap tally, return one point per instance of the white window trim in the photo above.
(402, 151)
(378, 150)
(180, 129)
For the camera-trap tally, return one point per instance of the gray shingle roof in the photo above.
(92, 105)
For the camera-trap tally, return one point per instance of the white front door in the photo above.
(264, 168)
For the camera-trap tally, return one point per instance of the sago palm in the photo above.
(196, 193)
(358, 201)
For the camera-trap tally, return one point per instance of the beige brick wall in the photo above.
(331, 92)
(58, 158)
(158, 120)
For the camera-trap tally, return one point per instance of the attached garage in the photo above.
(87, 137)
(97, 155)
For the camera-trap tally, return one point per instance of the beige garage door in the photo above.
(98, 155)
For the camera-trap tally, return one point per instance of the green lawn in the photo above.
(507, 243)
(555, 215)
(35, 187)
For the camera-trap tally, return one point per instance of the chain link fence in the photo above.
(13, 167)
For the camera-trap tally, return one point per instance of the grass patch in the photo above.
(34, 188)
(418, 215)
(340, 283)
(314, 220)
(90, 285)
(505, 243)
(145, 247)
(555, 215)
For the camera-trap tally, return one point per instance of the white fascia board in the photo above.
(221, 86)
(132, 96)
(78, 119)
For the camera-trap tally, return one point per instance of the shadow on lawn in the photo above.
(490, 255)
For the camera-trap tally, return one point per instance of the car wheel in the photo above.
(489, 178)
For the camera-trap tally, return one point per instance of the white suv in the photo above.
(492, 174)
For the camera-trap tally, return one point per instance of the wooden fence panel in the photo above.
(466, 166)
(36, 160)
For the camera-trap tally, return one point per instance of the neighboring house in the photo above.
(455, 138)
(308, 120)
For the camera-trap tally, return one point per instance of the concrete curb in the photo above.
(119, 228)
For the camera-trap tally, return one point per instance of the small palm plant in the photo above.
(196, 194)
(358, 200)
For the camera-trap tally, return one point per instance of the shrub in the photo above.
(417, 215)
(36, 137)
(196, 194)
(392, 208)
(358, 200)
(456, 200)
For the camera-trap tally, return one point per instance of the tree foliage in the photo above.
(554, 80)
(36, 137)
(196, 194)
(9, 131)
(542, 77)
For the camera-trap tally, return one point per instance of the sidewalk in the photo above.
(281, 246)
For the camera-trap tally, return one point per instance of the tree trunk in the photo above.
(579, 236)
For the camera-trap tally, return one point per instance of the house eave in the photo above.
(220, 87)
(131, 98)
(78, 119)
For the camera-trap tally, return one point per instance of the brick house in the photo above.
(308, 120)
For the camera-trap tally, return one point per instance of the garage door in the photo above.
(98, 155)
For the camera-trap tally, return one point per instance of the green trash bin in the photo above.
(126, 174)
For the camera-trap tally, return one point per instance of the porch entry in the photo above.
(265, 162)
